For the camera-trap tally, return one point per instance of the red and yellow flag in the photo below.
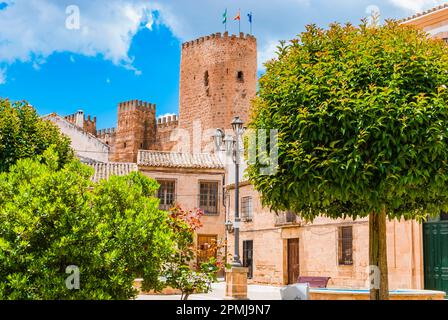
(238, 16)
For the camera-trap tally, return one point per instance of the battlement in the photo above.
(219, 36)
(103, 132)
(168, 121)
(78, 119)
(79, 116)
(136, 105)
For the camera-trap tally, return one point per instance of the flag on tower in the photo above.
(250, 16)
(238, 17)
(224, 20)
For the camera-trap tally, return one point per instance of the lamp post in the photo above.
(232, 146)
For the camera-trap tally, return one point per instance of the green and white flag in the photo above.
(224, 20)
(224, 17)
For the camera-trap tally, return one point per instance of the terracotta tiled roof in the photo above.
(424, 13)
(179, 160)
(104, 171)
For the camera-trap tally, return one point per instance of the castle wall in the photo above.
(217, 83)
(83, 143)
(80, 120)
(108, 136)
(136, 130)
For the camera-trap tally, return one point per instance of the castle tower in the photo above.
(218, 80)
(136, 130)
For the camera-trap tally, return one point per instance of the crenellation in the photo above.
(217, 82)
(215, 37)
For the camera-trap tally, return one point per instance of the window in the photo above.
(208, 197)
(167, 194)
(240, 76)
(285, 218)
(206, 246)
(246, 209)
(345, 247)
(248, 257)
(445, 40)
(124, 145)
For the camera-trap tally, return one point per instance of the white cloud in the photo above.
(2, 76)
(416, 5)
(32, 30)
(166, 115)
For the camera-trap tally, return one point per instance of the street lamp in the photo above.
(232, 146)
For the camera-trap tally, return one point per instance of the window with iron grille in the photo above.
(167, 194)
(345, 246)
(246, 209)
(208, 197)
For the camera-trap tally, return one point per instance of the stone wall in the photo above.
(87, 124)
(136, 130)
(318, 254)
(218, 80)
(167, 133)
(187, 193)
(83, 143)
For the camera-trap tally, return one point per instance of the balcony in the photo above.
(287, 219)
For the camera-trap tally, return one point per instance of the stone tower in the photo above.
(218, 80)
(136, 130)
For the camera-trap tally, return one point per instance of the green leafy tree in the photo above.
(23, 134)
(362, 118)
(51, 219)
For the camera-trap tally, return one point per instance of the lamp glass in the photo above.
(229, 141)
(218, 138)
(237, 125)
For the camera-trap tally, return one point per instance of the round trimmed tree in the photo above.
(362, 118)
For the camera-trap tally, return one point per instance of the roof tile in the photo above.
(103, 171)
(179, 160)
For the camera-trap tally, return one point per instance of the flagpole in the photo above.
(251, 17)
(225, 20)
(239, 22)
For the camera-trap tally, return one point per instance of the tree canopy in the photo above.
(53, 218)
(23, 134)
(362, 117)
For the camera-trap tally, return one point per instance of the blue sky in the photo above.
(130, 49)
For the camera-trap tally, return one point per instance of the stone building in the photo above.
(193, 181)
(278, 248)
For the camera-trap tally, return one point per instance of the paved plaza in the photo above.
(255, 292)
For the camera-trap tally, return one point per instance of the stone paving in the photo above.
(255, 292)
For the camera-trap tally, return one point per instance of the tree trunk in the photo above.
(379, 286)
